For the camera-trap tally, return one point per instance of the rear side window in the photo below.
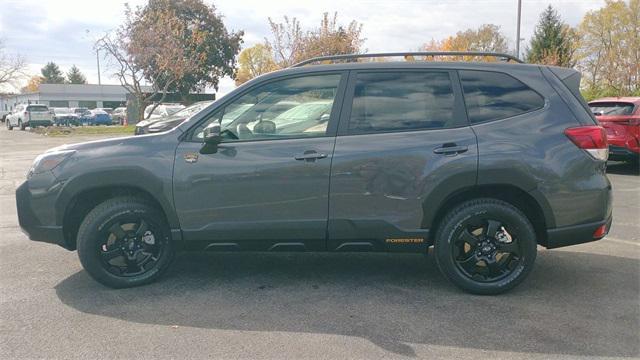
(37, 108)
(401, 101)
(493, 96)
(612, 108)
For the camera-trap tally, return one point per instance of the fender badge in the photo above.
(191, 157)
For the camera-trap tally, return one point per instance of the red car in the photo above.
(620, 116)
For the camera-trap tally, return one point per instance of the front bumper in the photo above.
(576, 234)
(30, 222)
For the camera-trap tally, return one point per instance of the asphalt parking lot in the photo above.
(579, 301)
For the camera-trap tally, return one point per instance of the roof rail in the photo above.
(504, 57)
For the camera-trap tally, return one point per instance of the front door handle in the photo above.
(450, 149)
(311, 155)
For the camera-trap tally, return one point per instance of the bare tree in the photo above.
(291, 44)
(12, 67)
(129, 74)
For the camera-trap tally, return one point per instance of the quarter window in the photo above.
(401, 101)
(494, 96)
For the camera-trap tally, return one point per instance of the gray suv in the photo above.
(484, 161)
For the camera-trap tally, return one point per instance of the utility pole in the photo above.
(98, 61)
(518, 30)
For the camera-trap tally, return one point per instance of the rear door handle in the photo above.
(450, 149)
(310, 155)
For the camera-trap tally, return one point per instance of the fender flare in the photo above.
(130, 177)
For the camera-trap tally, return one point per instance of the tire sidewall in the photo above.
(518, 225)
(90, 236)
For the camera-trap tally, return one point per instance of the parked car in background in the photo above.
(31, 115)
(484, 161)
(63, 116)
(620, 116)
(107, 110)
(171, 121)
(3, 114)
(97, 117)
(119, 115)
(161, 110)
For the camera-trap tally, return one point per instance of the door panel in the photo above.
(403, 136)
(254, 195)
(379, 183)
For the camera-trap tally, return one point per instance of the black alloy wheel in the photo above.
(485, 246)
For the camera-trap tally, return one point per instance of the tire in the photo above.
(485, 246)
(9, 126)
(114, 246)
(21, 125)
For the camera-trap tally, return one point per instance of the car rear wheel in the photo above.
(125, 242)
(9, 126)
(485, 246)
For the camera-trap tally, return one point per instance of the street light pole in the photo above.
(98, 61)
(518, 30)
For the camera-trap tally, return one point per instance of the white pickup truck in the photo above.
(32, 115)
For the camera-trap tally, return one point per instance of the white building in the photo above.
(69, 95)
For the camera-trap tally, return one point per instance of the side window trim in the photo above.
(333, 120)
(459, 110)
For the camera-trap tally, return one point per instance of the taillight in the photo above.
(600, 232)
(593, 139)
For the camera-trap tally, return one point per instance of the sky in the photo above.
(64, 31)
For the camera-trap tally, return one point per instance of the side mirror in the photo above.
(211, 137)
(211, 134)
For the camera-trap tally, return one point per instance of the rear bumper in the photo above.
(619, 152)
(40, 123)
(576, 234)
(30, 223)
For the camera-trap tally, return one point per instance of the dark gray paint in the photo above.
(255, 194)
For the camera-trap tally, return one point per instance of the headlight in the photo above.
(49, 160)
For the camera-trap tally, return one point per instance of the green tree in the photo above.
(51, 74)
(254, 61)
(553, 41)
(74, 76)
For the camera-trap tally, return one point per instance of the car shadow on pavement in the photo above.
(564, 307)
(623, 168)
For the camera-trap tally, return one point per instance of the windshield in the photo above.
(233, 112)
(37, 108)
(612, 108)
(173, 109)
(81, 111)
(193, 109)
(304, 112)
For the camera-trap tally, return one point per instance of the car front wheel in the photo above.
(485, 246)
(125, 242)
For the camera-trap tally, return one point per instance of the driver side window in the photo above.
(289, 108)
